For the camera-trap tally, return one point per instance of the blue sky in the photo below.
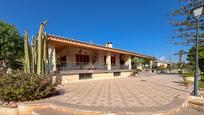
(137, 25)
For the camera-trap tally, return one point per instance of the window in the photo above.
(63, 59)
(122, 62)
(82, 58)
(85, 76)
(115, 74)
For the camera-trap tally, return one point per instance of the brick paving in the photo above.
(131, 94)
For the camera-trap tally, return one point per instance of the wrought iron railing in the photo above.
(80, 66)
(124, 67)
(67, 65)
(119, 67)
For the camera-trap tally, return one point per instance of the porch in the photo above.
(68, 58)
(71, 60)
(64, 66)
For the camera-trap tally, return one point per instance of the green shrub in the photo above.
(201, 82)
(162, 67)
(135, 72)
(25, 87)
(189, 74)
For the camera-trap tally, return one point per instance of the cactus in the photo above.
(39, 48)
(44, 62)
(36, 54)
(26, 54)
(33, 56)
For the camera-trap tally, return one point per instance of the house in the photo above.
(164, 63)
(72, 60)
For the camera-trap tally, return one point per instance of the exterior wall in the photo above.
(117, 60)
(128, 61)
(70, 53)
(159, 64)
(101, 55)
(65, 52)
(95, 76)
(102, 75)
(69, 78)
(126, 74)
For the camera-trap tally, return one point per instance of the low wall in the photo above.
(67, 78)
(8, 111)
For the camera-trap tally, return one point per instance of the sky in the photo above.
(140, 26)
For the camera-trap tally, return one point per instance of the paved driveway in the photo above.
(132, 94)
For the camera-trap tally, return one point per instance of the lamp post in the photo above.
(197, 12)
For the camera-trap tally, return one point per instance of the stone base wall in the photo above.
(126, 74)
(67, 78)
(8, 111)
(102, 75)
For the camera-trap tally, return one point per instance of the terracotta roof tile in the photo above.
(51, 37)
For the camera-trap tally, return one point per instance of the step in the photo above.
(49, 111)
(193, 106)
(187, 111)
(196, 103)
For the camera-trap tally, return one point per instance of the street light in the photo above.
(197, 12)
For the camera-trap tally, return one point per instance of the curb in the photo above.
(27, 108)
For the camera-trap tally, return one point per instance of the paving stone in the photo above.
(129, 94)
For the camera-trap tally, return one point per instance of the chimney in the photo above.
(109, 44)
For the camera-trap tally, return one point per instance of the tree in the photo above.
(191, 57)
(184, 23)
(181, 53)
(10, 45)
(136, 62)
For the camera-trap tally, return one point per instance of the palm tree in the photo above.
(180, 54)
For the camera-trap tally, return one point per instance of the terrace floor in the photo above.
(158, 93)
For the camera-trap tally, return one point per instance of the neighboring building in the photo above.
(164, 63)
(75, 60)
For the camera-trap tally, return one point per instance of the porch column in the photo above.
(51, 58)
(108, 61)
(128, 62)
(151, 64)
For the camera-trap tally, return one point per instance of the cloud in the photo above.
(163, 58)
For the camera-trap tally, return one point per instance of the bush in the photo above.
(25, 87)
(189, 74)
(201, 82)
(135, 72)
(162, 67)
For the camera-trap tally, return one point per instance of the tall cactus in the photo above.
(26, 54)
(44, 54)
(36, 54)
(33, 56)
(39, 48)
(35, 60)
